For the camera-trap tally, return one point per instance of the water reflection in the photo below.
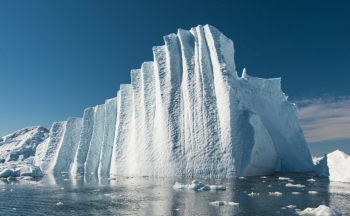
(128, 195)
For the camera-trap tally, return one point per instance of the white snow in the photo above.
(335, 165)
(22, 144)
(19, 150)
(186, 113)
(321, 210)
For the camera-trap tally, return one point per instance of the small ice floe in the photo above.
(311, 180)
(223, 203)
(111, 178)
(241, 177)
(197, 185)
(321, 210)
(27, 178)
(65, 179)
(290, 180)
(12, 190)
(14, 209)
(263, 177)
(294, 185)
(313, 192)
(107, 194)
(283, 178)
(3, 189)
(275, 193)
(296, 193)
(290, 206)
(64, 172)
(269, 186)
(263, 181)
(178, 209)
(59, 203)
(62, 188)
(253, 194)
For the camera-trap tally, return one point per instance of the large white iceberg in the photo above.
(335, 165)
(19, 150)
(185, 113)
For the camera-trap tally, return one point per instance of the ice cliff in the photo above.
(185, 113)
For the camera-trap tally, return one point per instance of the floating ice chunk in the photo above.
(312, 180)
(197, 185)
(275, 193)
(290, 180)
(294, 185)
(321, 210)
(27, 178)
(290, 206)
(263, 177)
(296, 193)
(111, 179)
(223, 203)
(313, 192)
(283, 178)
(253, 194)
(59, 203)
(6, 173)
(241, 177)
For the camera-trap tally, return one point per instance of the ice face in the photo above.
(335, 165)
(186, 113)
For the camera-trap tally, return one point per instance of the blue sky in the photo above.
(59, 57)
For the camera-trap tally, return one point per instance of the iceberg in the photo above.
(320, 210)
(186, 113)
(335, 165)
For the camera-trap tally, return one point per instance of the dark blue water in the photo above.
(156, 196)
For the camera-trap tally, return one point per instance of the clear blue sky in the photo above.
(59, 57)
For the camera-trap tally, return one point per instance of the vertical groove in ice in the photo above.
(56, 135)
(69, 145)
(108, 136)
(93, 156)
(123, 129)
(84, 142)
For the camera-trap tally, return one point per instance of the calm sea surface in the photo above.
(64, 195)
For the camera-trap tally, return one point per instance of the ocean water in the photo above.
(63, 194)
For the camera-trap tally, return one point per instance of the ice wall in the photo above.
(187, 113)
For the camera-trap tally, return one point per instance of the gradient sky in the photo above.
(59, 57)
